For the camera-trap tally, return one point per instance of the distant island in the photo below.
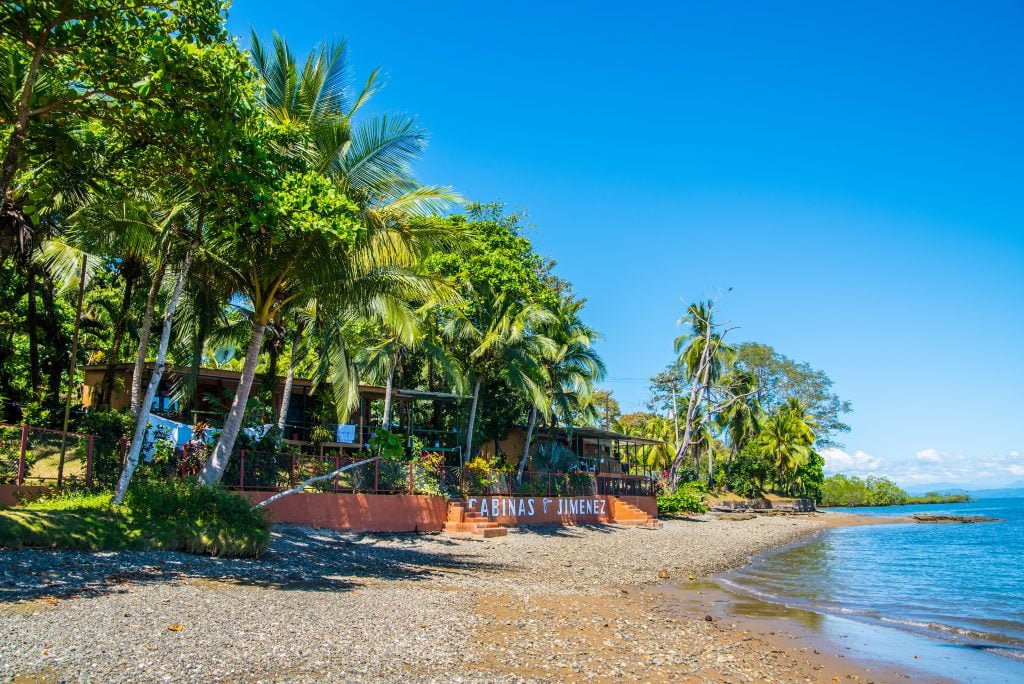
(841, 491)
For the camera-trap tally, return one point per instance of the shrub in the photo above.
(187, 516)
(687, 499)
(110, 427)
(157, 515)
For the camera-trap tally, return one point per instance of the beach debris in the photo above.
(175, 628)
(663, 574)
(708, 618)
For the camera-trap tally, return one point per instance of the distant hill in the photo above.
(1014, 490)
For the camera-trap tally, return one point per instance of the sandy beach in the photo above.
(544, 604)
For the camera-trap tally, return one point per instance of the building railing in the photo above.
(275, 472)
(31, 455)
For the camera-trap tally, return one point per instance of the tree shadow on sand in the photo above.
(298, 559)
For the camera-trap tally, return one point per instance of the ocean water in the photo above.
(958, 584)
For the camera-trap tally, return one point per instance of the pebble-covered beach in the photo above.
(540, 604)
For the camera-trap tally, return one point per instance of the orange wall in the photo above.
(359, 512)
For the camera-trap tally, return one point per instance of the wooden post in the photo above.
(89, 461)
(21, 454)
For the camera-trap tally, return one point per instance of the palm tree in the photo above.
(786, 437)
(704, 356)
(502, 335)
(740, 420)
(371, 165)
(570, 371)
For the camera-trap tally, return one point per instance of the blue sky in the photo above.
(853, 172)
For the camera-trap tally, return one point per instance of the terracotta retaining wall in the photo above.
(358, 512)
(12, 495)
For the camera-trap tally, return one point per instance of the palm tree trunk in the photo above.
(213, 471)
(529, 438)
(472, 419)
(35, 375)
(107, 385)
(131, 462)
(386, 420)
(57, 340)
(144, 330)
(289, 379)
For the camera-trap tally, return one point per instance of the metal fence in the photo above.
(274, 472)
(30, 455)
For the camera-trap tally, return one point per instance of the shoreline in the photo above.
(541, 604)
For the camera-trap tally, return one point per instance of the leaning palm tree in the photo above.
(704, 356)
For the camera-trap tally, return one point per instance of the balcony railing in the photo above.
(274, 472)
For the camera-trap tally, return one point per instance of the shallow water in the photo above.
(961, 584)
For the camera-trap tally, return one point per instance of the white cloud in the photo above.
(930, 465)
(930, 456)
(859, 462)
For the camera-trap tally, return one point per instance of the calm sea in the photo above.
(962, 584)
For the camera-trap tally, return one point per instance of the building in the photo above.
(216, 387)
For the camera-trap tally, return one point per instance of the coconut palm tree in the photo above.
(502, 335)
(740, 420)
(370, 164)
(704, 357)
(786, 437)
(570, 371)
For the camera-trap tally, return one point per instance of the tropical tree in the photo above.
(741, 420)
(503, 336)
(704, 356)
(570, 370)
(323, 239)
(785, 438)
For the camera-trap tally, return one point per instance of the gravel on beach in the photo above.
(540, 604)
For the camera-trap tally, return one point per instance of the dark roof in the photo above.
(226, 374)
(594, 433)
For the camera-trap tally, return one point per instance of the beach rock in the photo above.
(946, 518)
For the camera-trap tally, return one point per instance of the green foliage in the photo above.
(688, 498)
(781, 379)
(157, 515)
(110, 428)
(388, 445)
(845, 490)
(555, 457)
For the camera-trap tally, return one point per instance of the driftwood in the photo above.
(318, 478)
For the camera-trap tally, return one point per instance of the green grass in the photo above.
(156, 515)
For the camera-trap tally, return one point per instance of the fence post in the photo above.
(412, 486)
(291, 473)
(241, 469)
(376, 476)
(21, 454)
(88, 461)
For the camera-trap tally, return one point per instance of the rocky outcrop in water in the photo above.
(944, 518)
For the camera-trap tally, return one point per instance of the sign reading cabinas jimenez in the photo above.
(536, 509)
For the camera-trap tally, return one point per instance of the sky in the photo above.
(853, 171)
